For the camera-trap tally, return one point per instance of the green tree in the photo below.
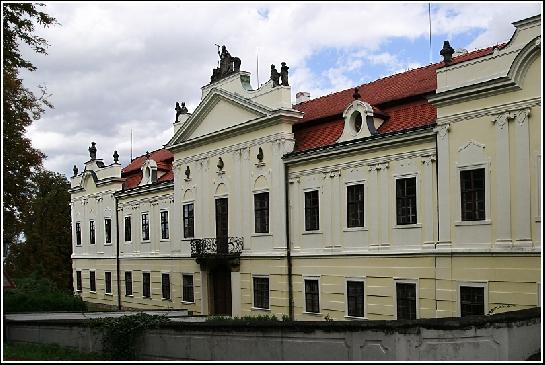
(47, 231)
(20, 108)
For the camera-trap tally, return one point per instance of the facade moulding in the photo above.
(277, 137)
(371, 163)
(145, 189)
(499, 109)
(428, 252)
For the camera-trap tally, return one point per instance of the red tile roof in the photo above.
(133, 174)
(401, 98)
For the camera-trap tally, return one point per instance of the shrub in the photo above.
(35, 294)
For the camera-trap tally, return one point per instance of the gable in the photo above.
(219, 110)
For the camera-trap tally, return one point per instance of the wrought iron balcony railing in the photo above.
(217, 247)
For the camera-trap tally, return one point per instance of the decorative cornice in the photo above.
(376, 163)
(521, 116)
(280, 137)
(494, 110)
(152, 200)
(145, 189)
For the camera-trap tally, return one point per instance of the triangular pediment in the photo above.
(219, 110)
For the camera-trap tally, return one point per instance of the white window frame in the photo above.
(94, 271)
(80, 235)
(363, 280)
(487, 188)
(111, 284)
(169, 285)
(124, 223)
(141, 227)
(89, 232)
(320, 223)
(312, 277)
(111, 231)
(261, 276)
(161, 239)
(418, 223)
(193, 288)
(474, 284)
(345, 205)
(416, 282)
(184, 203)
(259, 191)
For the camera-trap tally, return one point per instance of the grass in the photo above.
(42, 352)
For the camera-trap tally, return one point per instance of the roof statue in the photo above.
(228, 65)
(275, 76)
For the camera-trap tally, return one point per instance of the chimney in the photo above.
(302, 96)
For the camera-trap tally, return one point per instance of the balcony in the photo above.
(216, 248)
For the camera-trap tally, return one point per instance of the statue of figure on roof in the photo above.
(93, 151)
(275, 76)
(227, 65)
(75, 169)
(284, 74)
(180, 109)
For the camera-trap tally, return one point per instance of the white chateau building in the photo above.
(417, 195)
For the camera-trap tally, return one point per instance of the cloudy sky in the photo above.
(113, 68)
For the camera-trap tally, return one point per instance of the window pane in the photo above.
(406, 201)
(108, 230)
(312, 296)
(164, 225)
(261, 208)
(78, 281)
(356, 299)
(355, 206)
(312, 212)
(261, 293)
(471, 301)
(92, 232)
(406, 300)
(187, 295)
(127, 229)
(78, 234)
(128, 283)
(92, 282)
(188, 221)
(108, 282)
(165, 280)
(146, 293)
(145, 227)
(472, 194)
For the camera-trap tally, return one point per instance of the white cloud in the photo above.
(115, 67)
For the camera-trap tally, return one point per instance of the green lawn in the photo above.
(37, 352)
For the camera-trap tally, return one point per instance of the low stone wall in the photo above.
(509, 336)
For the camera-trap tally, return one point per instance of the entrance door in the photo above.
(221, 289)
(221, 225)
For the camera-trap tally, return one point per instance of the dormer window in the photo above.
(149, 172)
(359, 121)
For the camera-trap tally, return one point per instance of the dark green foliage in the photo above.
(37, 294)
(121, 334)
(41, 352)
(20, 108)
(264, 317)
(47, 246)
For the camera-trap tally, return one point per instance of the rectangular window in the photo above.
(354, 208)
(312, 211)
(261, 293)
(188, 221)
(78, 281)
(312, 296)
(145, 227)
(92, 232)
(128, 231)
(128, 283)
(146, 292)
(108, 282)
(406, 300)
(78, 234)
(472, 194)
(164, 224)
(406, 201)
(108, 230)
(187, 288)
(471, 301)
(92, 282)
(165, 286)
(261, 208)
(355, 293)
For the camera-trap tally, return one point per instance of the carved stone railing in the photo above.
(217, 247)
